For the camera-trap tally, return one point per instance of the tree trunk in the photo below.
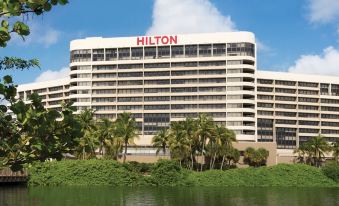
(125, 153)
(192, 161)
(222, 162)
(202, 155)
(215, 156)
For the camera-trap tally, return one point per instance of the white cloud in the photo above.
(327, 63)
(52, 75)
(262, 47)
(323, 11)
(39, 34)
(188, 16)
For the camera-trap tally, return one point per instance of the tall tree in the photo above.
(104, 131)
(126, 129)
(88, 141)
(318, 147)
(205, 130)
(160, 141)
(335, 150)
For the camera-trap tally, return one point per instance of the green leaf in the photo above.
(63, 2)
(21, 28)
(47, 6)
(54, 2)
(8, 79)
(4, 24)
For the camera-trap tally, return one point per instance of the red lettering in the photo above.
(150, 41)
(173, 39)
(140, 40)
(157, 39)
(164, 40)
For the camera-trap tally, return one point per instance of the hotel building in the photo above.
(160, 79)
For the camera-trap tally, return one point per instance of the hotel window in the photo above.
(191, 50)
(289, 91)
(184, 115)
(308, 92)
(212, 63)
(212, 106)
(84, 83)
(164, 52)
(332, 109)
(331, 124)
(53, 89)
(308, 130)
(108, 83)
(234, 62)
(304, 99)
(130, 66)
(137, 53)
(156, 107)
(307, 107)
(282, 98)
(286, 83)
(184, 64)
(177, 51)
(265, 81)
(264, 89)
(150, 52)
(184, 73)
(157, 82)
(184, 81)
(129, 91)
(83, 100)
(328, 131)
(209, 97)
(205, 50)
(265, 97)
(130, 107)
(184, 89)
(104, 67)
(111, 54)
(212, 89)
(335, 89)
(330, 116)
(213, 80)
(81, 55)
(130, 82)
(265, 113)
(234, 88)
(307, 84)
(157, 90)
(219, 49)
(234, 105)
(156, 99)
(310, 123)
(285, 106)
(286, 114)
(98, 55)
(157, 65)
(104, 108)
(130, 99)
(83, 75)
(212, 72)
(124, 53)
(308, 115)
(156, 74)
(104, 75)
(184, 106)
(104, 116)
(104, 91)
(324, 89)
(330, 101)
(130, 74)
(265, 105)
(184, 98)
(104, 99)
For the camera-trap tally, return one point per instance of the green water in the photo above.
(102, 196)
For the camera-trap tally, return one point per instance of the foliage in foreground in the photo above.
(169, 173)
(331, 170)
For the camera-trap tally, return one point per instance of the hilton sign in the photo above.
(155, 40)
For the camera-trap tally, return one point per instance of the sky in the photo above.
(300, 36)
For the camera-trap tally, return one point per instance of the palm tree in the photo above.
(189, 127)
(232, 155)
(205, 130)
(318, 147)
(88, 141)
(104, 132)
(126, 128)
(179, 143)
(224, 139)
(160, 140)
(254, 157)
(335, 149)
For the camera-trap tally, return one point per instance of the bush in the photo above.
(297, 175)
(167, 173)
(331, 170)
(83, 172)
(134, 166)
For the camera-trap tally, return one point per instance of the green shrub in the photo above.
(297, 175)
(83, 172)
(167, 173)
(331, 170)
(138, 167)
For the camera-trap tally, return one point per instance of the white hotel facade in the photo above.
(160, 79)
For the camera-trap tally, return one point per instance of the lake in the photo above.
(167, 196)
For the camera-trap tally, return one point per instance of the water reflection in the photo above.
(92, 196)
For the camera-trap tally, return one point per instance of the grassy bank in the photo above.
(169, 173)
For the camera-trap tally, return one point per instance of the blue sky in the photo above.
(295, 35)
